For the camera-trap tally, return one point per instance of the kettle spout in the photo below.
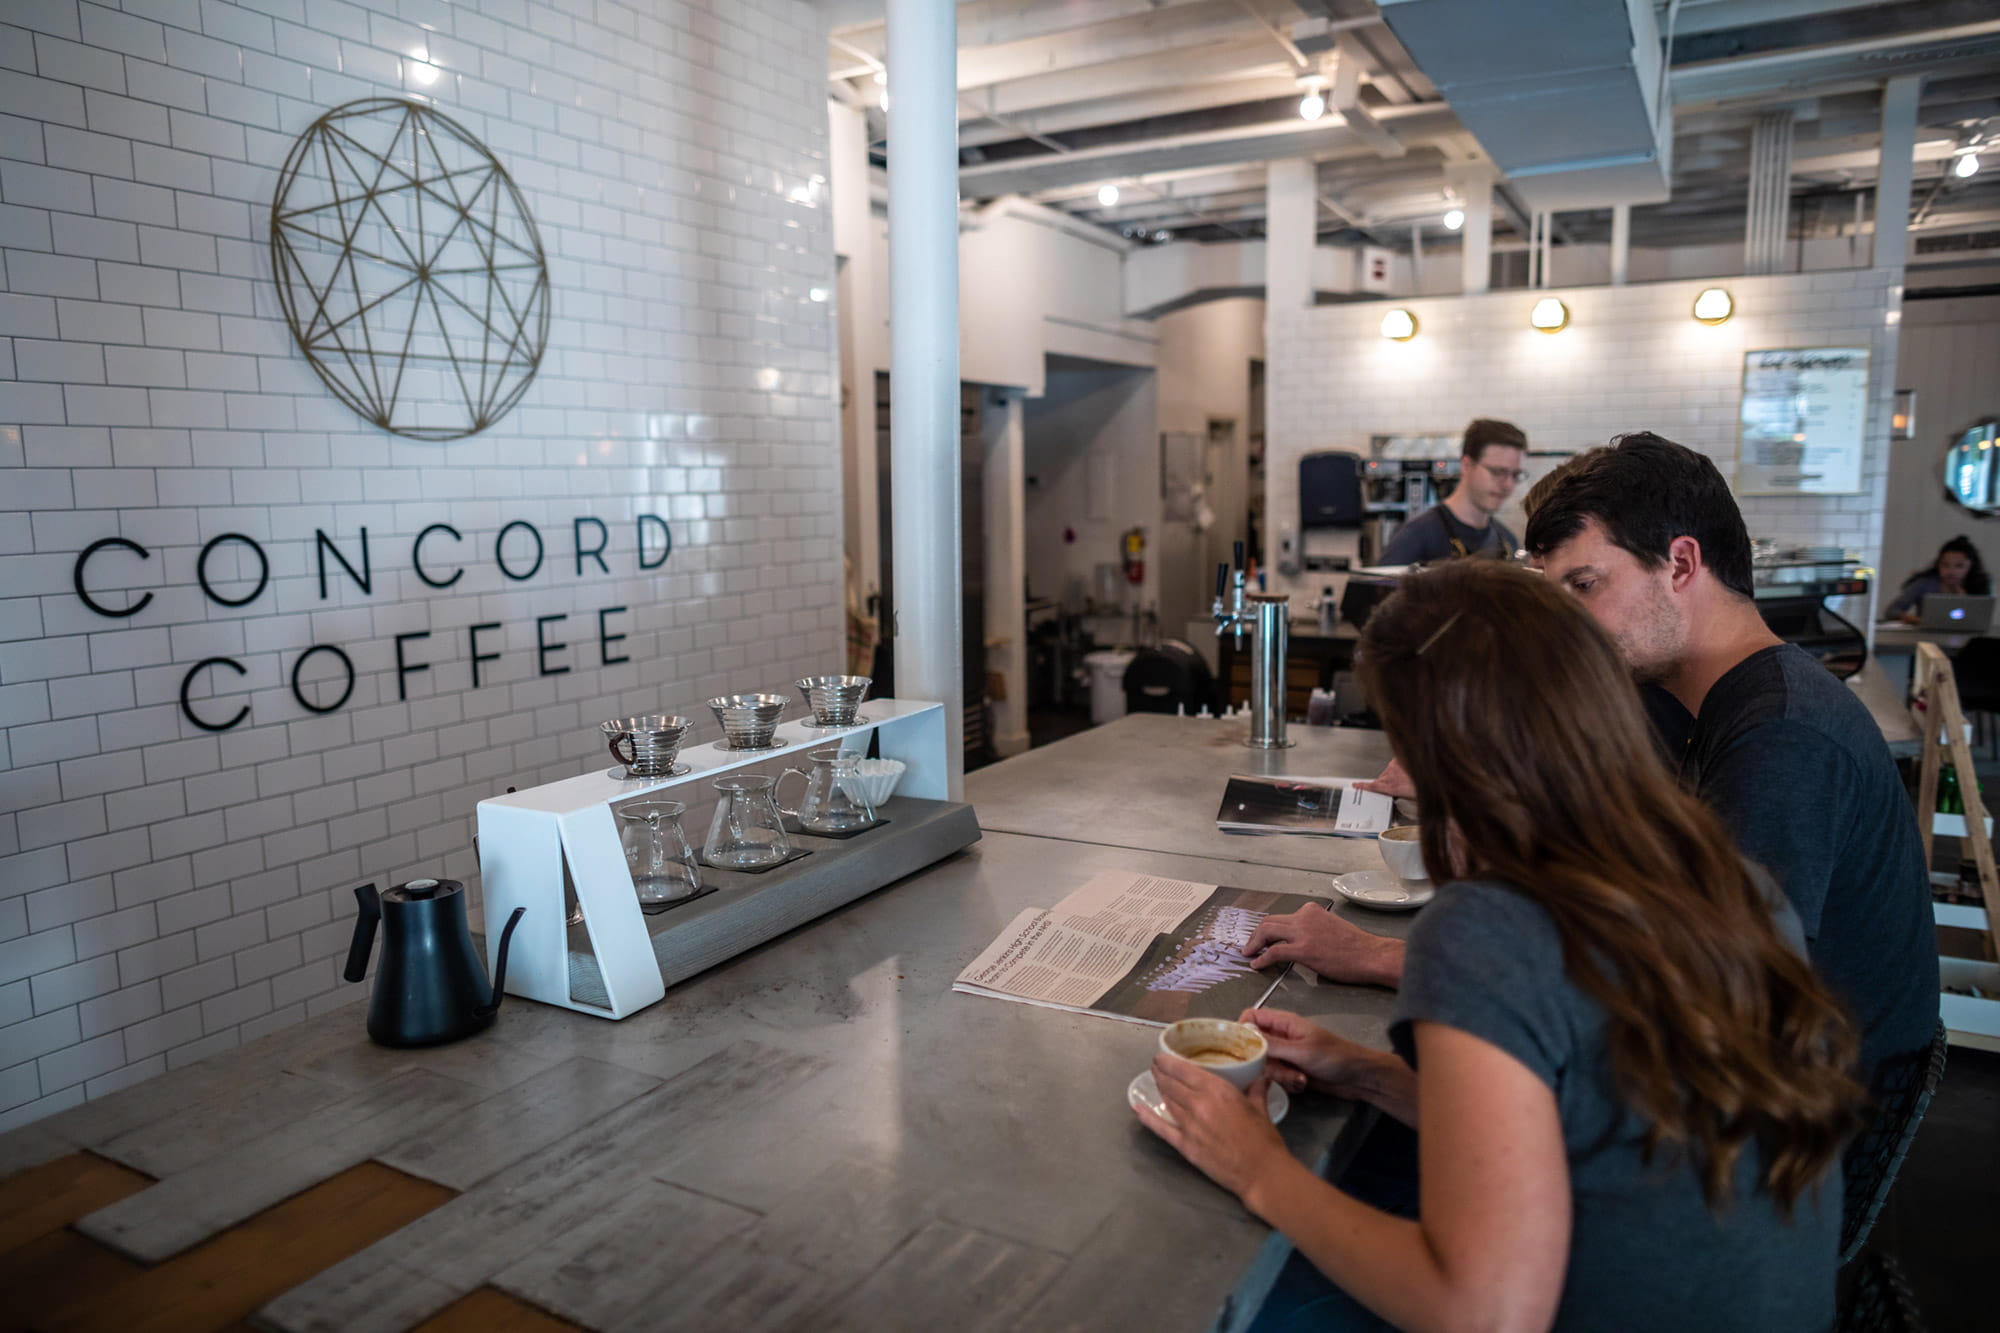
(500, 965)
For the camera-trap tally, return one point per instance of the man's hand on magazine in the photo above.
(1304, 1054)
(1393, 781)
(1328, 945)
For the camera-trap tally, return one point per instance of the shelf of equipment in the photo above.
(535, 843)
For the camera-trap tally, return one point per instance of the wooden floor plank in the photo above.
(490, 1311)
(220, 1123)
(192, 1206)
(482, 1233)
(948, 1276)
(42, 1276)
(634, 1253)
(31, 1146)
(223, 1280)
(518, 1122)
(47, 1197)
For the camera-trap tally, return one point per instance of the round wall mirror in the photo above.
(1972, 467)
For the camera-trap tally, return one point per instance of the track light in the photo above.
(1713, 306)
(1107, 195)
(1549, 315)
(1399, 326)
(1454, 219)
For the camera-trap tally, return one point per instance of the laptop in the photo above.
(1957, 615)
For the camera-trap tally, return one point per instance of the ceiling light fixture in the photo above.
(1549, 315)
(1162, 237)
(1714, 305)
(1399, 326)
(1967, 165)
(1454, 219)
(1312, 106)
(1107, 195)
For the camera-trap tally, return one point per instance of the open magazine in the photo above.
(1326, 807)
(1137, 947)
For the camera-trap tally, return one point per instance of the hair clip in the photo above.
(1438, 633)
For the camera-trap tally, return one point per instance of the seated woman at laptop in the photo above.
(1628, 1085)
(1957, 572)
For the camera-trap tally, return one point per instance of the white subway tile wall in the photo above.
(1632, 358)
(165, 891)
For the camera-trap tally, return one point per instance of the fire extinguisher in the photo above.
(1134, 543)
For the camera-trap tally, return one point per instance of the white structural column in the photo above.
(1892, 191)
(923, 367)
(1767, 219)
(1290, 231)
(1473, 184)
(861, 324)
(1621, 243)
(1005, 489)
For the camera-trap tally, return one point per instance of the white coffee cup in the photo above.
(1403, 852)
(1236, 1051)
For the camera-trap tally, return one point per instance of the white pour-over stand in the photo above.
(528, 838)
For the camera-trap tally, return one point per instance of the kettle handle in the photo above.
(364, 933)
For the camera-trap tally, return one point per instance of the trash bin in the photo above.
(1107, 684)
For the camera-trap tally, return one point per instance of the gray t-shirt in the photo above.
(1798, 771)
(1430, 537)
(1645, 1251)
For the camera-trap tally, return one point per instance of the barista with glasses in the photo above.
(1465, 524)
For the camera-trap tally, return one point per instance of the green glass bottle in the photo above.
(1950, 801)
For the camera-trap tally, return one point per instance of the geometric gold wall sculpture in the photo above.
(409, 270)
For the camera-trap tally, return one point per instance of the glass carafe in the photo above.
(746, 833)
(830, 804)
(662, 864)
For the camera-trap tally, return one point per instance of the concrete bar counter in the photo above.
(819, 1132)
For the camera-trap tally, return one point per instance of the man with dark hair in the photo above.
(1464, 524)
(1647, 535)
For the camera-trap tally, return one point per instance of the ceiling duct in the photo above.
(1568, 109)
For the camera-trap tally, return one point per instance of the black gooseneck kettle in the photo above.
(431, 987)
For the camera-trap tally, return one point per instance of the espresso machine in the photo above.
(1396, 490)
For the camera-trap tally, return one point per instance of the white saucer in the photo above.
(1383, 891)
(1145, 1091)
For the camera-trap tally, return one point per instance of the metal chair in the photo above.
(1901, 1090)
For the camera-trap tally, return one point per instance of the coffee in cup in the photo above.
(1403, 852)
(1235, 1051)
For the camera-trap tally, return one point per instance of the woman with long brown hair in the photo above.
(1628, 1086)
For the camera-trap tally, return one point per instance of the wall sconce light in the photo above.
(1903, 422)
(1399, 326)
(1713, 306)
(1549, 315)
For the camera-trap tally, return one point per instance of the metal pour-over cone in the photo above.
(749, 721)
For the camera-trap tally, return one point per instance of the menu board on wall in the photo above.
(1804, 414)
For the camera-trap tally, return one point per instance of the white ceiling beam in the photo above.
(1968, 48)
(1142, 37)
(1220, 62)
(1167, 101)
(1250, 143)
(1718, 15)
(1191, 181)
(993, 22)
